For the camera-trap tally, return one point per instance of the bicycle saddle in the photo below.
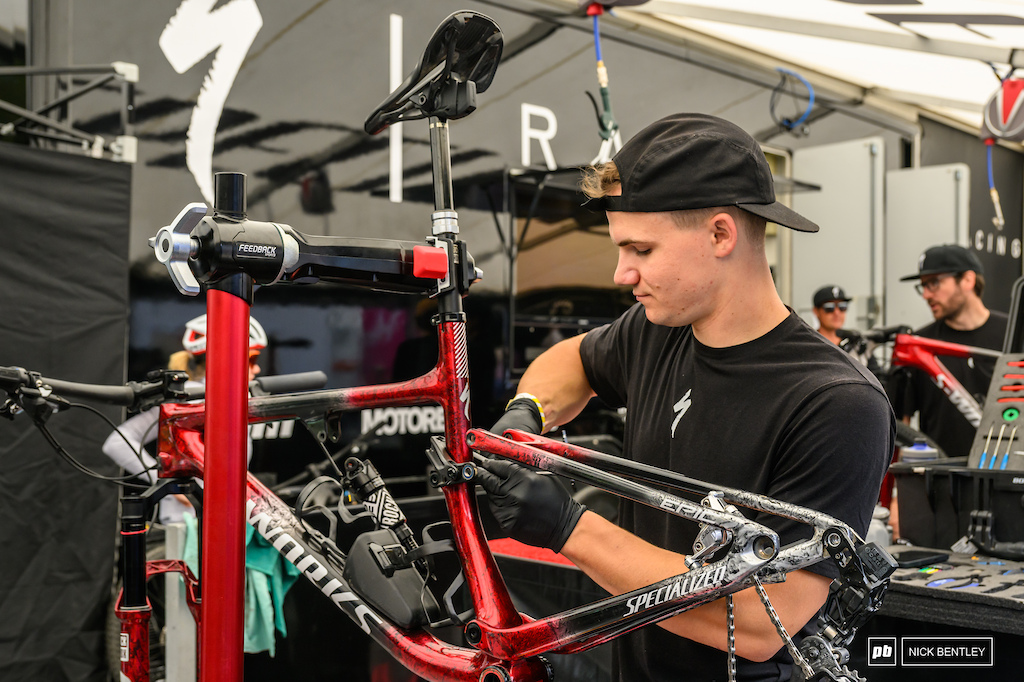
(459, 61)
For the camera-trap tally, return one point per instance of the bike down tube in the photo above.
(182, 454)
(915, 351)
(419, 651)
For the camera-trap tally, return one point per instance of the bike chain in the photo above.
(731, 623)
(798, 658)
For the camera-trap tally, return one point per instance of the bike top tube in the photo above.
(937, 347)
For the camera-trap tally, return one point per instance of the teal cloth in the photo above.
(268, 577)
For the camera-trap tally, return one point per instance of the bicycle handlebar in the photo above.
(15, 379)
(169, 387)
(886, 334)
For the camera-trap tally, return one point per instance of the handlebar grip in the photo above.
(280, 383)
(288, 383)
(13, 378)
(884, 334)
(113, 395)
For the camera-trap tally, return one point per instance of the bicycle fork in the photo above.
(133, 609)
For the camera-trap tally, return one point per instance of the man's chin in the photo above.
(654, 316)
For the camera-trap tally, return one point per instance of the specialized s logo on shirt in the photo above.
(680, 409)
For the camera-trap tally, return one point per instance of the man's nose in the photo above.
(625, 274)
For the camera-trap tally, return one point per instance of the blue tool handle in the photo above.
(981, 464)
(1006, 457)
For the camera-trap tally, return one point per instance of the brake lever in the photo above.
(162, 386)
(39, 401)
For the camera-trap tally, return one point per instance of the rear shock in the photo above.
(363, 478)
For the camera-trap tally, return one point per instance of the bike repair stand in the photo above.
(223, 562)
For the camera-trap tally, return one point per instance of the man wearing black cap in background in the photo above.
(830, 303)
(952, 283)
(721, 381)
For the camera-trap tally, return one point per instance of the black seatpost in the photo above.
(441, 159)
(444, 219)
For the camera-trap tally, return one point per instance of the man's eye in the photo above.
(642, 252)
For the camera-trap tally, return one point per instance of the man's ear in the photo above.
(724, 233)
(968, 279)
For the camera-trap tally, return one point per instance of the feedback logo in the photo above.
(931, 652)
(882, 651)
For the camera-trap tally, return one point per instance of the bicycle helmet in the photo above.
(194, 340)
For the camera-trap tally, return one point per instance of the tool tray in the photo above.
(998, 442)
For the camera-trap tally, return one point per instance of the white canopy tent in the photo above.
(934, 54)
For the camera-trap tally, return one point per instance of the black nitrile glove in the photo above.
(530, 507)
(522, 414)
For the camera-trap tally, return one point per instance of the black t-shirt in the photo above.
(788, 414)
(940, 419)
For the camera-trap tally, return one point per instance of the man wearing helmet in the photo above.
(126, 445)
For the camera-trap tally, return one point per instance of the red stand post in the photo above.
(227, 383)
(223, 560)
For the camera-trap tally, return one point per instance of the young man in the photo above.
(722, 382)
(830, 303)
(952, 282)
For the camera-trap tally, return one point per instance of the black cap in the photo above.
(945, 258)
(829, 293)
(688, 161)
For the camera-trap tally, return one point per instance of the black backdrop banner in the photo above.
(64, 223)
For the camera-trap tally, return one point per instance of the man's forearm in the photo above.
(556, 378)
(620, 562)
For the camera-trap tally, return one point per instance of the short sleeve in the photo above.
(840, 446)
(604, 352)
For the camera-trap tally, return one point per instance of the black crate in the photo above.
(937, 500)
(998, 497)
(928, 501)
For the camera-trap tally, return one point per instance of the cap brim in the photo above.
(919, 275)
(782, 215)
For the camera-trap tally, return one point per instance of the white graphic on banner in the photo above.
(191, 34)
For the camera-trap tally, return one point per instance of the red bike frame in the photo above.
(917, 351)
(180, 453)
(505, 644)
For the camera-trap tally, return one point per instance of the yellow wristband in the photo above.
(540, 408)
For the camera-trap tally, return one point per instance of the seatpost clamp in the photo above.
(444, 221)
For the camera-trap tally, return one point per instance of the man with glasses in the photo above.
(830, 304)
(952, 283)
